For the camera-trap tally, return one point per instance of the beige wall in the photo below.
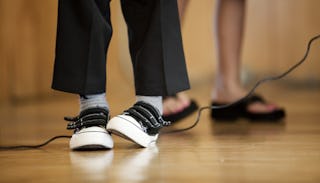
(27, 36)
(276, 35)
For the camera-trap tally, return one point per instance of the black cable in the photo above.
(272, 78)
(34, 146)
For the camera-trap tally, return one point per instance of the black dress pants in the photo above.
(83, 35)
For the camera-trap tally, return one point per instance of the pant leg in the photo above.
(83, 35)
(155, 46)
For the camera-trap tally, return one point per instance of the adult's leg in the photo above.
(229, 35)
(182, 6)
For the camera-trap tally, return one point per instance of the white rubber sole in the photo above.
(91, 138)
(127, 127)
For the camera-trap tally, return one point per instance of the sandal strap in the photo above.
(255, 98)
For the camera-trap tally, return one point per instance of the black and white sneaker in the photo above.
(90, 130)
(140, 123)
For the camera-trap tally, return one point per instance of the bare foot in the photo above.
(175, 104)
(236, 94)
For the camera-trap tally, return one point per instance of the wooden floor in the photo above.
(211, 152)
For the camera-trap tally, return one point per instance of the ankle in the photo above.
(155, 101)
(227, 93)
(93, 101)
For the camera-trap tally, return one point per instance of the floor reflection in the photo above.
(243, 127)
(134, 168)
(128, 166)
(91, 165)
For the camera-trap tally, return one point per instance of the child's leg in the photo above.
(83, 35)
(158, 64)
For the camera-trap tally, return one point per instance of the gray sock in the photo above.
(155, 101)
(95, 100)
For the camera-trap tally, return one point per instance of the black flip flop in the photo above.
(191, 108)
(240, 111)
